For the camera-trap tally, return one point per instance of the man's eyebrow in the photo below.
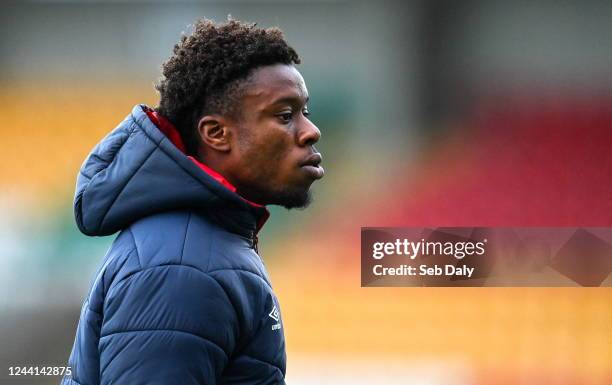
(291, 100)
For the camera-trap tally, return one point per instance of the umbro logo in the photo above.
(275, 315)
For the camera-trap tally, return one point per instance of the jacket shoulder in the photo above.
(178, 239)
(190, 239)
(163, 239)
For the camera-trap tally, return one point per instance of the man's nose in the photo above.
(309, 134)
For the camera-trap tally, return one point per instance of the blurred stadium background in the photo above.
(433, 113)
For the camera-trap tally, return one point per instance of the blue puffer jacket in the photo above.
(182, 296)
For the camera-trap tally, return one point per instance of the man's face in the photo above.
(274, 158)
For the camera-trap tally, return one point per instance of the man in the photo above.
(182, 296)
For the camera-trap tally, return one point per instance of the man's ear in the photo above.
(214, 131)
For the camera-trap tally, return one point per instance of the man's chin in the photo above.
(289, 198)
(294, 200)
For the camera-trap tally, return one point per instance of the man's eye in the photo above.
(306, 113)
(285, 117)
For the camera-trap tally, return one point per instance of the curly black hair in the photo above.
(209, 68)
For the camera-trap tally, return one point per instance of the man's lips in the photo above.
(312, 166)
(312, 160)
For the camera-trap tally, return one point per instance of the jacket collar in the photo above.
(140, 168)
(171, 132)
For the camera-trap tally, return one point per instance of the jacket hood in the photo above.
(136, 171)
